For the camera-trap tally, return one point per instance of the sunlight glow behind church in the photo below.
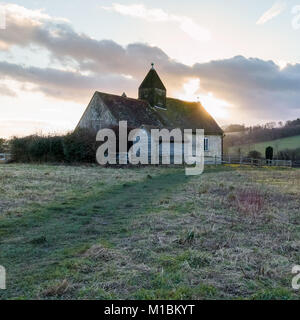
(216, 107)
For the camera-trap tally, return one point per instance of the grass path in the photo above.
(38, 242)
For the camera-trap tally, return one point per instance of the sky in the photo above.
(239, 59)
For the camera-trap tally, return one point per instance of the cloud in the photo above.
(140, 11)
(20, 13)
(78, 49)
(60, 84)
(277, 8)
(257, 89)
(186, 24)
(6, 91)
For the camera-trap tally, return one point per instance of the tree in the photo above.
(254, 154)
(235, 128)
(269, 153)
(2, 145)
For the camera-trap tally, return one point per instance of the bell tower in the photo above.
(153, 90)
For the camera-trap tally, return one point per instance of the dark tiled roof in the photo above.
(152, 80)
(135, 112)
(188, 115)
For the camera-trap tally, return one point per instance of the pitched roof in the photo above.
(188, 115)
(152, 80)
(136, 112)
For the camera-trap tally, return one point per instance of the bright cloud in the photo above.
(21, 13)
(190, 89)
(139, 11)
(186, 24)
(277, 8)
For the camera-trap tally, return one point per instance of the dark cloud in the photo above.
(63, 84)
(257, 87)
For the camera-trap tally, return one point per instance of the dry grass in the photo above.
(250, 201)
(226, 234)
(22, 185)
(99, 252)
(248, 220)
(57, 289)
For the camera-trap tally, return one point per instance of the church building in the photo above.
(153, 109)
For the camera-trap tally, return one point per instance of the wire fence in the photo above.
(225, 159)
(230, 159)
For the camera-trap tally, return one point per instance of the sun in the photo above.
(218, 108)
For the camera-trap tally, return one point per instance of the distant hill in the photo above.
(234, 128)
(278, 145)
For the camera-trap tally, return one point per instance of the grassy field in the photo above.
(148, 233)
(278, 145)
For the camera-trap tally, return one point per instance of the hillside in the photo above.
(148, 233)
(278, 145)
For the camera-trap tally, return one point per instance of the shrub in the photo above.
(2, 145)
(289, 154)
(46, 149)
(254, 154)
(79, 146)
(37, 149)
